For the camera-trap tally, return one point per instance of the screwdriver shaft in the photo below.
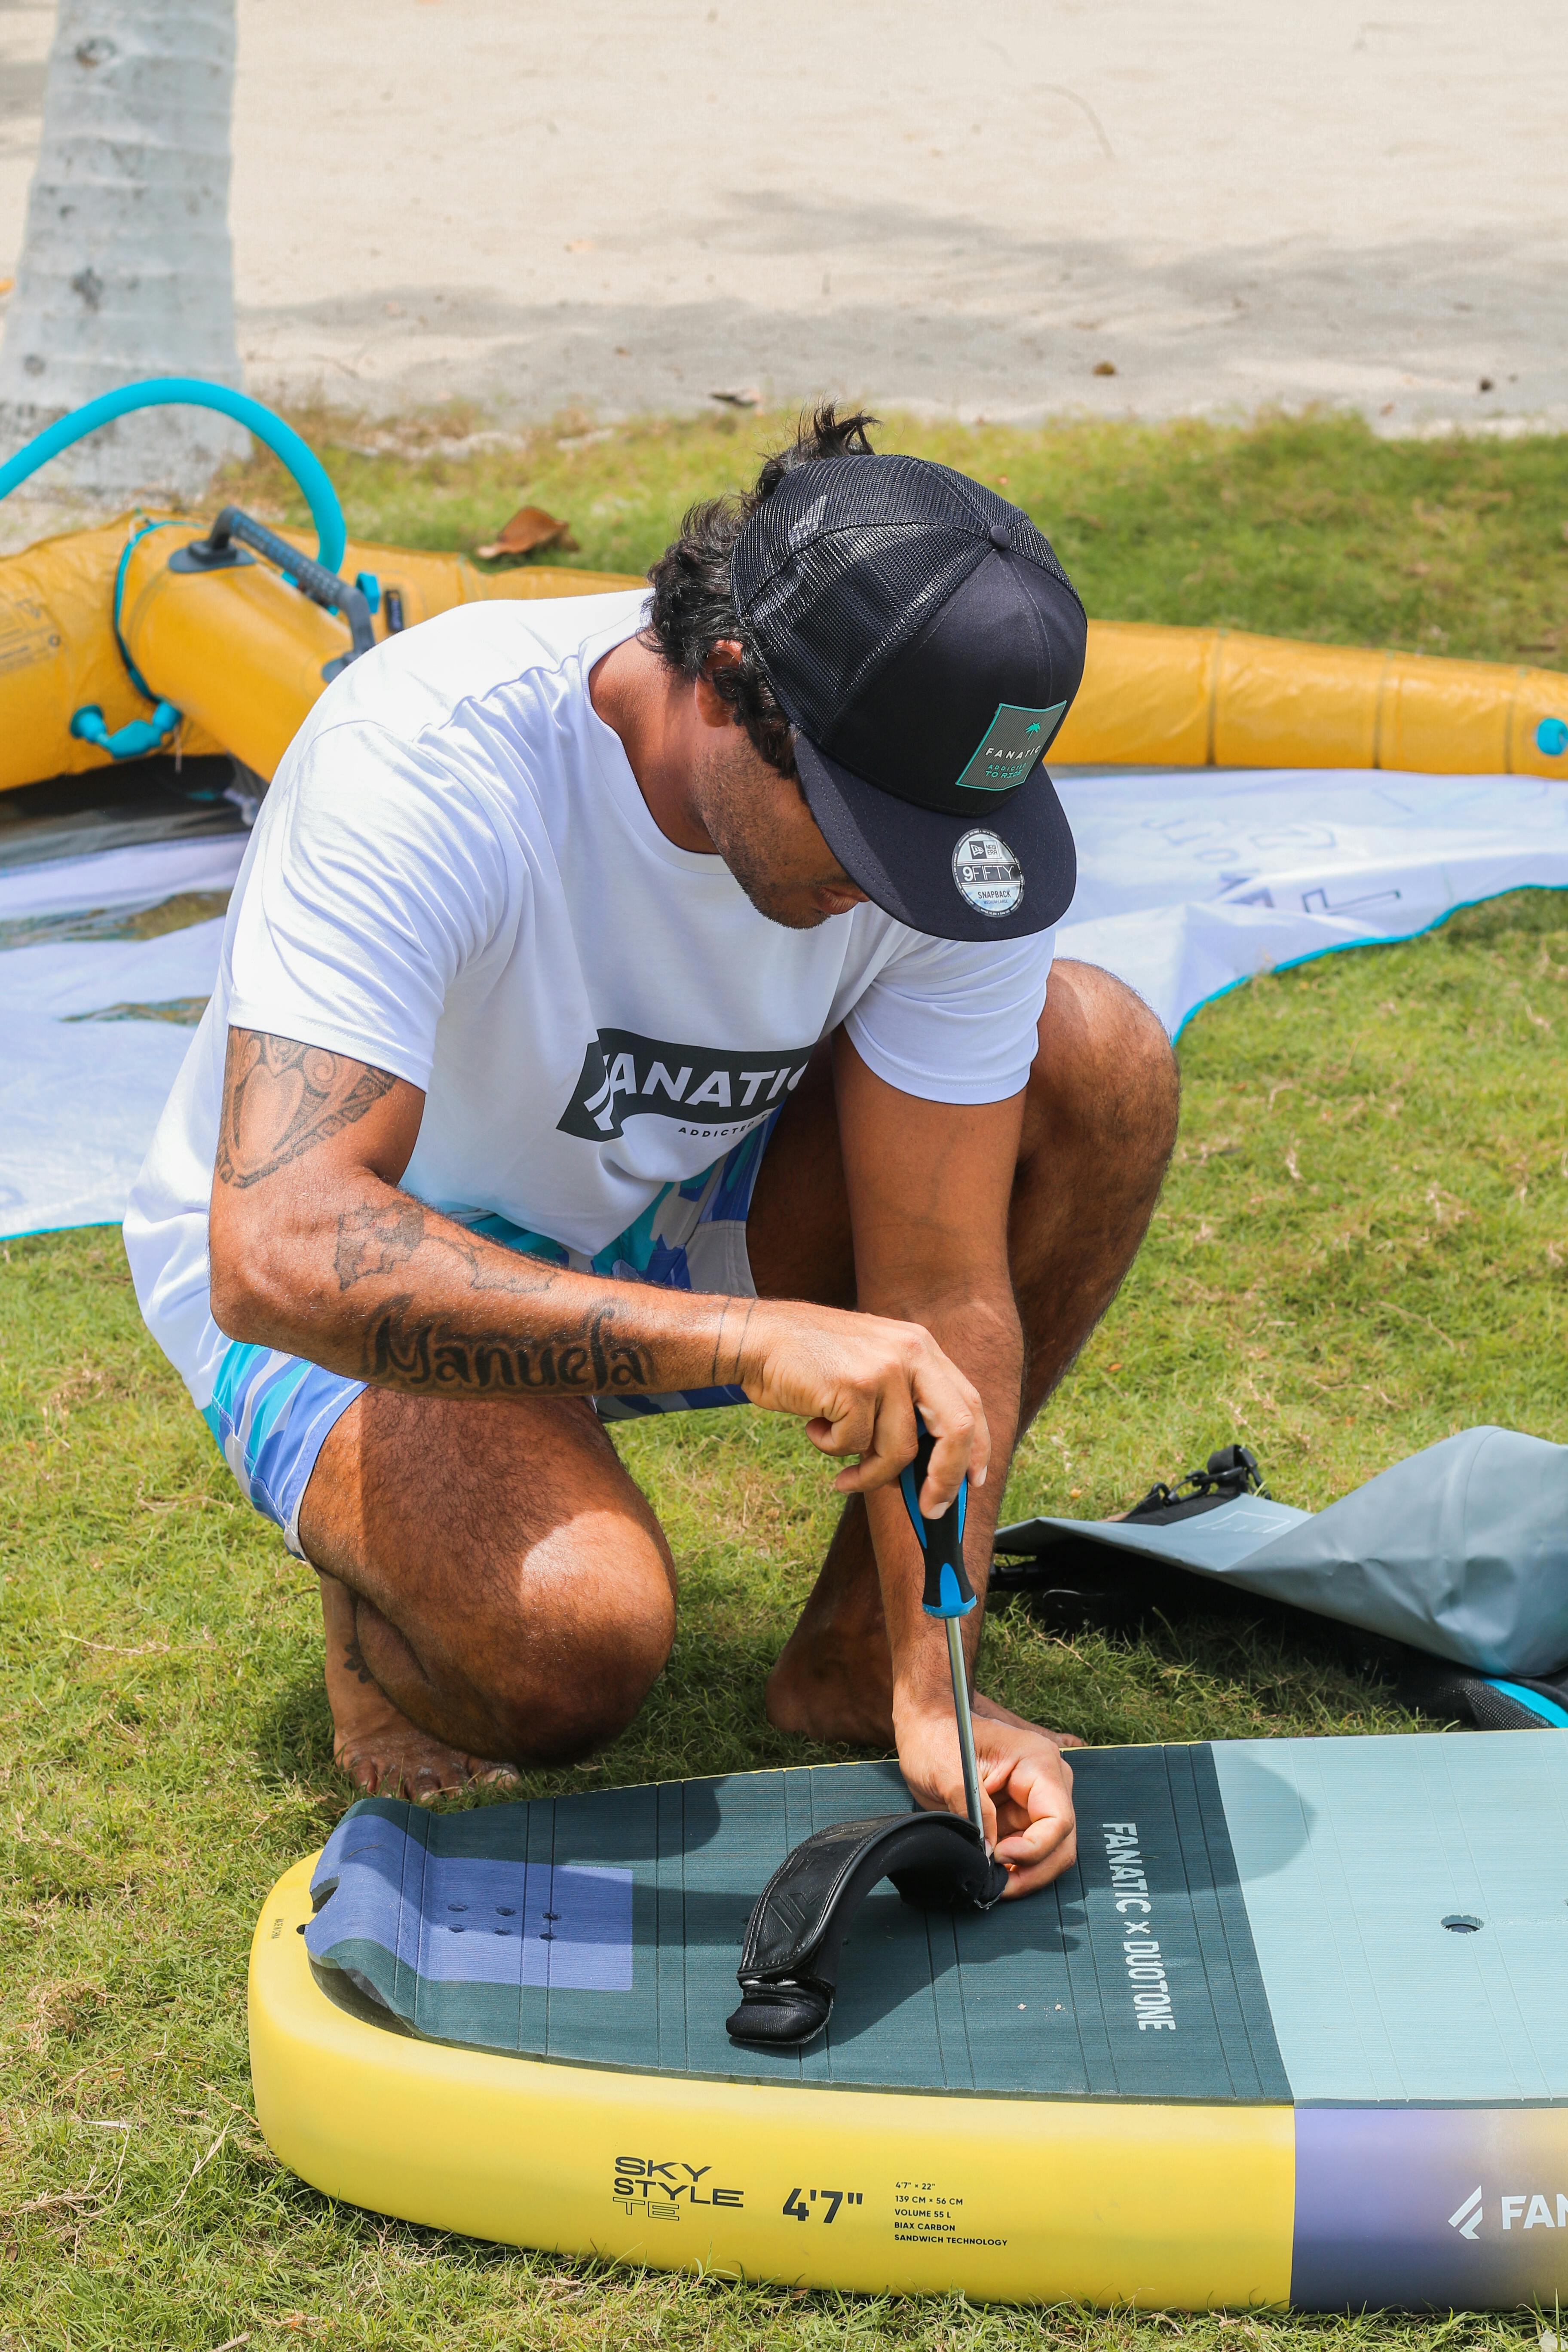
(960, 1670)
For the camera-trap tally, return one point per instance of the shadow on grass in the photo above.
(1246, 1648)
(706, 1715)
(293, 1741)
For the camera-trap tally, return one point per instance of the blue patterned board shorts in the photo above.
(270, 1412)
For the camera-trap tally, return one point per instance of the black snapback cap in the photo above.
(925, 645)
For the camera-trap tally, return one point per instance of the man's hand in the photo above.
(856, 1381)
(1025, 1792)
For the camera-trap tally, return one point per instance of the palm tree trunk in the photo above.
(127, 269)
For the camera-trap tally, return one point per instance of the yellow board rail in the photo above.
(241, 653)
(1086, 2201)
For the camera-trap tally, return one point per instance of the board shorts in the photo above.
(270, 1412)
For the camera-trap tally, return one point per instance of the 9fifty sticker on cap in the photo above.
(1009, 748)
(987, 873)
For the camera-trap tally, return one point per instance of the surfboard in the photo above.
(1292, 2031)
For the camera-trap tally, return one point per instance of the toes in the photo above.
(421, 1779)
(361, 1770)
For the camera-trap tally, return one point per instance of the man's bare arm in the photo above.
(929, 1188)
(316, 1250)
(282, 1098)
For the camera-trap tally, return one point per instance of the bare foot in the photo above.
(1000, 1713)
(823, 1691)
(383, 1753)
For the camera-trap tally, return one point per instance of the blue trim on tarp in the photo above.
(1344, 947)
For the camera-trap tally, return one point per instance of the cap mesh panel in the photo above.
(846, 561)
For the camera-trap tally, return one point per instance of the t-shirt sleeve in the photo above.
(953, 1021)
(379, 877)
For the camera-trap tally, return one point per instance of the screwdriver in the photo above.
(949, 1596)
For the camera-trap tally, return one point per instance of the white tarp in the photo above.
(80, 1098)
(1188, 883)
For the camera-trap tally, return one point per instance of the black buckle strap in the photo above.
(789, 1962)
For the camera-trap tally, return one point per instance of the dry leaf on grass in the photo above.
(531, 528)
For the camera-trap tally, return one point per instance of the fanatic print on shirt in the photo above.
(626, 1076)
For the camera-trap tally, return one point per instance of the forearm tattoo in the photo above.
(282, 1098)
(405, 1349)
(377, 1238)
(408, 1347)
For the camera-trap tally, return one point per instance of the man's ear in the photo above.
(714, 711)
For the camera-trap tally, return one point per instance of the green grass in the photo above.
(1307, 527)
(1364, 1245)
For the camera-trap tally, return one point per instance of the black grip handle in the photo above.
(312, 578)
(948, 1591)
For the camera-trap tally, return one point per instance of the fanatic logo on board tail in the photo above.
(1519, 2209)
(1467, 2219)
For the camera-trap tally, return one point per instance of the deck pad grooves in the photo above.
(1133, 1978)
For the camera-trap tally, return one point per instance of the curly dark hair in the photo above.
(693, 607)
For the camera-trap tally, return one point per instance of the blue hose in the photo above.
(137, 737)
(140, 736)
(192, 390)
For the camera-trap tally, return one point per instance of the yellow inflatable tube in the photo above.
(58, 653)
(1217, 697)
(1185, 2206)
(241, 653)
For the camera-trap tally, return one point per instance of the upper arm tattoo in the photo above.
(282, 1098)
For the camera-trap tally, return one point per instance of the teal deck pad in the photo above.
(1255, 1920)
(1352, 1852)
(606, 1930)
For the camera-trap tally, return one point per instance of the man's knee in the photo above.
(1105, 1074)
(564, 1680)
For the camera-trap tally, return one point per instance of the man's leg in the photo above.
(494, 1587)
(1099, 1121)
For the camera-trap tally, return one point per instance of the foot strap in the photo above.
(789, 1962)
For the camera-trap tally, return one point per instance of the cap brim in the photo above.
(907, 859)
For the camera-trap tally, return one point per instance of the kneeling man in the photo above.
(639, 1002)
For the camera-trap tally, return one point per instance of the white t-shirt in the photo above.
(456, 877)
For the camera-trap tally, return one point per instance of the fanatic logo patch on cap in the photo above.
(1009, 748)
(987, 873)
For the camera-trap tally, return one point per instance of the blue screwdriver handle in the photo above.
(949, 1595)
(948, 1591)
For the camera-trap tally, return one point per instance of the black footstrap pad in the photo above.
(789, 1962)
